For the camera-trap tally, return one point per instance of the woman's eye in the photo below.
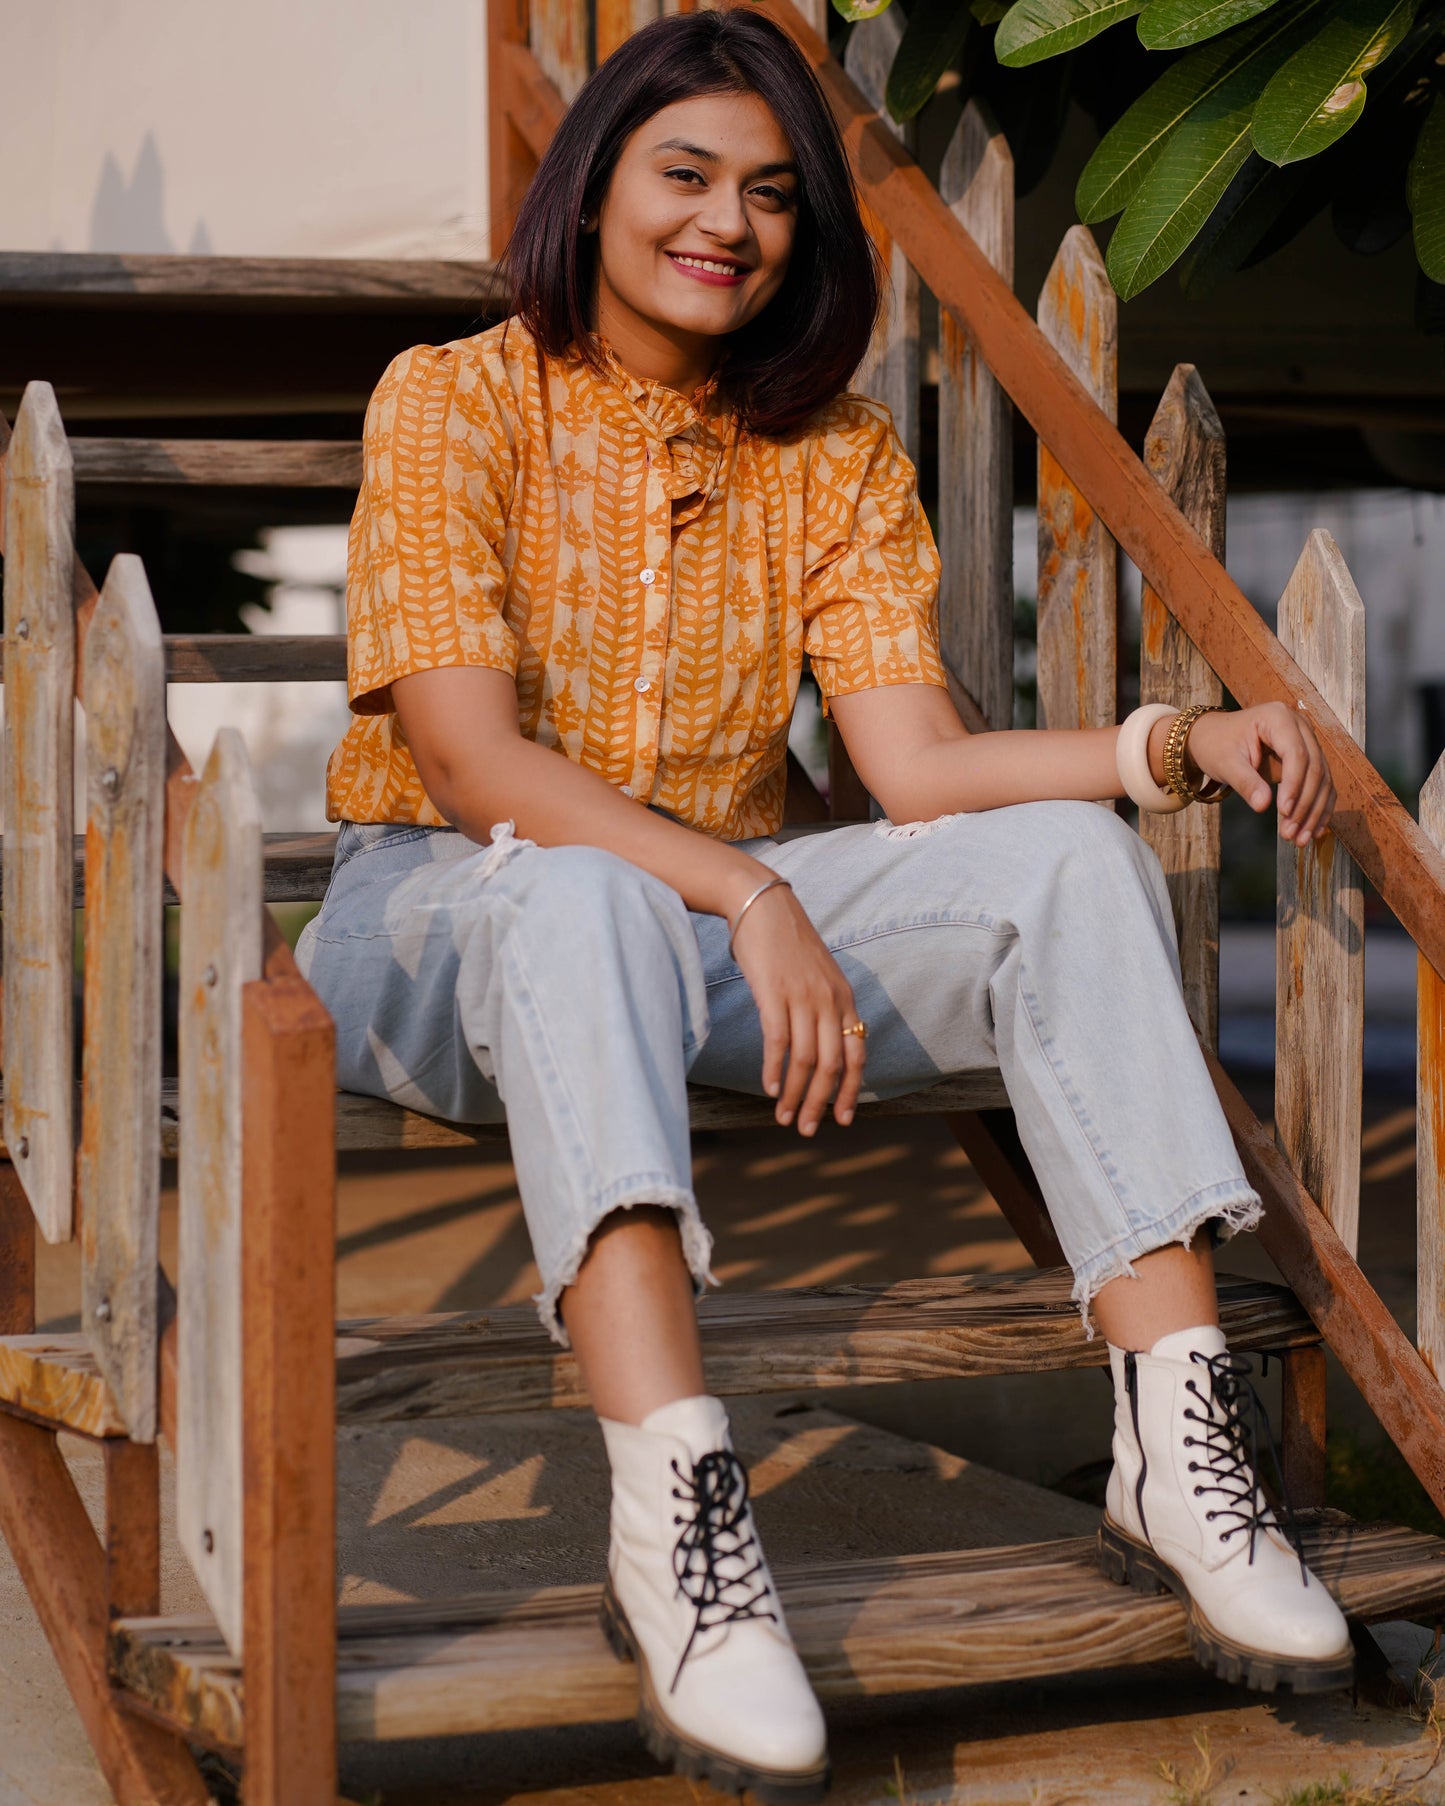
(773, 197)
(683, 174)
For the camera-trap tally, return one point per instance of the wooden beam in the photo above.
(366, 283)
(219, 463)
(1319, 962)
(1396, 857)
(534, 106)
(17, 1255)
(61, 1562)
(132, 1528)
(1302, 1431)
(1430, 1123)
(1184, 450)
(289, 1414)
(1373, 1350)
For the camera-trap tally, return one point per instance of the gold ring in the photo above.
(857, 1028)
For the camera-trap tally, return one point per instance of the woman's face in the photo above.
(695, 230)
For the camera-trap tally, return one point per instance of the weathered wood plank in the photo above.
(220, 953)
(1319, 963)
(616, 20)
(511, 160)
(30, 276)
(1302, 1428)
(1077, 584)
(1430, 1124)
(120, 1151)
(39, 916)
(298, 867)
(1373, 1350)
(975, 443)
(289, 1430)
(17, 1255)
(56, 1378)
(1184, 451)
(265, 658)
(391, 1369)
(44, 1521)
(219, 463)
(913, 1623)
(1407, 870)
(890, 371)
(560, 34)
(132, 1539)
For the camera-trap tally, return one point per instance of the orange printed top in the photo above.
(650, 575)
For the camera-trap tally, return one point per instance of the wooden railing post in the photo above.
(17, 1255)
(1430, 1124)
(220, 954)
(39, 884)
(975, 446)
(288, 1301)
(1184, 451)
(510, 161)
(560, 32)
(120, 1154)
(1078, 607)
(1320, 933)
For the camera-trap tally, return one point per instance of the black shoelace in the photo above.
(1234, 1422)
(712, 1530)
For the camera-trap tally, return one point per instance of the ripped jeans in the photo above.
(573, 994)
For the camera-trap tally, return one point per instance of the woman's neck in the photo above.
(681, 361)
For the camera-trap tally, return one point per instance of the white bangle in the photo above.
(737, 921)
(1131, 754)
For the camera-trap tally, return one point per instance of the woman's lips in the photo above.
(718, 272)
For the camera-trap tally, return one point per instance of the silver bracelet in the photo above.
(748, 902)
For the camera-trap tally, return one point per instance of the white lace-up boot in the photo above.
(1185, 1512)
(690, 1599)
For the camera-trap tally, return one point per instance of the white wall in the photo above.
(281, 127)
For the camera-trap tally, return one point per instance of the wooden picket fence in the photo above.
(242, 1368)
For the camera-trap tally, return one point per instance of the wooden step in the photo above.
(397, 1369)
(218, 463)
(916, 1623)
(96, 279)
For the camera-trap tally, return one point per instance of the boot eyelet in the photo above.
(1199, 1492)
(1210, 1516)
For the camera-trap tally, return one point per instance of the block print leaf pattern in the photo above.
(1427, 193)
(1319, 92)
(1175, 24)
(1034, 29)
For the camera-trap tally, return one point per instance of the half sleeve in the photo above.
(870, 583)
(425, 574)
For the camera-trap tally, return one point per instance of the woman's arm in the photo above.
(460, 723)
(920, 761)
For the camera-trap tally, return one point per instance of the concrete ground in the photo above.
(437, 1507)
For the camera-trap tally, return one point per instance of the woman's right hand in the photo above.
(804, 1002)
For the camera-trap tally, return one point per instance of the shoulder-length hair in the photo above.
(800, 351)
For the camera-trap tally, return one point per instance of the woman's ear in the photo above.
(588, 222)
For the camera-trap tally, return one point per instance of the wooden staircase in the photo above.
(235, 1369)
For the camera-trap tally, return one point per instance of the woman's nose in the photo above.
(724, 215)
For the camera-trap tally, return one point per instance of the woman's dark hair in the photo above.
(800, 351)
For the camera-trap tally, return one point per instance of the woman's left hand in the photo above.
(1250, 749)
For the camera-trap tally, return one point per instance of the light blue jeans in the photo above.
(573, 994)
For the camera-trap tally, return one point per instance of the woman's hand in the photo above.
(1250, 749)
(804, 1003)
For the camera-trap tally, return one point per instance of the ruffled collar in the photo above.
(693, 433)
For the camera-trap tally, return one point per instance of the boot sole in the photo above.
(697, 1761)
(1128, 1562)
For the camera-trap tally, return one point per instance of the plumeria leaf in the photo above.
(932, 38)
(1175, 24)
(1034, 29)
(1319, 93)
(854, 11)
(1427, 193)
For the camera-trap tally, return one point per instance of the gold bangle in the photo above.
(1176, 777)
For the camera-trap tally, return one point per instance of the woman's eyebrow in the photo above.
(785, 168)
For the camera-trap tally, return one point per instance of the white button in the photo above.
(627, 790)
(647, 576)
(641, 684)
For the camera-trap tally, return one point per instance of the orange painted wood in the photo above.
(132, 1528)
(61, 1562)
(17, 1256)
(288, 1299)
(1397, 858)
(1372, 1348)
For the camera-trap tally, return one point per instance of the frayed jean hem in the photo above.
(1229, 1202)
(628, 1194)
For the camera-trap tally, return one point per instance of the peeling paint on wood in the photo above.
(1320, 920)
(39, 918)
(220, 953)
(120, 1153)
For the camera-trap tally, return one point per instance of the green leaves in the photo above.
(1319, 92)
(1175, 24)
(1200, 155)
(1034, 29)
(1427, 193)
(855, 10)
(934, 36)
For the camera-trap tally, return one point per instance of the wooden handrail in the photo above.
(1402, 864)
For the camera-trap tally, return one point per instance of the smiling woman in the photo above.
(611, 529)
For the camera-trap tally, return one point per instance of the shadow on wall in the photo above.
(131, 216)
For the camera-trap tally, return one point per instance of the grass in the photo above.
(1195, 1786)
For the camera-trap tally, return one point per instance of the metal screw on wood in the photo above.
(22, 1147)
(208, 1542)
(110, 780)
(208, 977)
(22, 630)
(102, 1311)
